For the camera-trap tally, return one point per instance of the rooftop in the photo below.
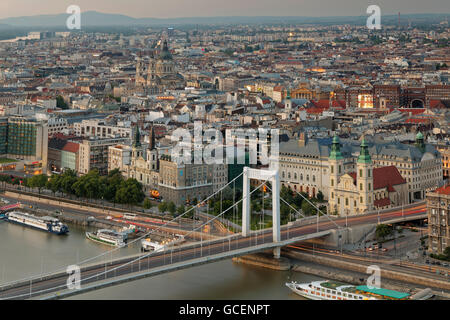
(384, 292)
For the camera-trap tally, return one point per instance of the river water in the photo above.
(26, 252)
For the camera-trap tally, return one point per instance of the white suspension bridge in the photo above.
(103, 270)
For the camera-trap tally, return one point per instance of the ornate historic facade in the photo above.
(159, 72)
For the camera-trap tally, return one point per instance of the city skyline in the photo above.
(204, 8)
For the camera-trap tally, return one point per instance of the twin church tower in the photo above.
(346, 197)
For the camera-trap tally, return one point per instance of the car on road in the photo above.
(384, 249)
(444, 264)
(427, 262)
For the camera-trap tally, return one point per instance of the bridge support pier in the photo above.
(277, 252)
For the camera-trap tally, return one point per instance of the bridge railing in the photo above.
(171, 247)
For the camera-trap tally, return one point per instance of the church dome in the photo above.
(165, 53)
(419, 136)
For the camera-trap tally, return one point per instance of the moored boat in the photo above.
(332, 290)
(108, 237)
(48, 224)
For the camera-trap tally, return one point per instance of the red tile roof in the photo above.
(443, 190)
(325, 103)
(71, 147)
(316, 110)
(384, 177)
(382, 202)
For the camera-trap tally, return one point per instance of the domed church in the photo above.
(160, 72)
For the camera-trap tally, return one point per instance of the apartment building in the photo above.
(183, 183)
(100, 129)
(438, 209)
(93, 153)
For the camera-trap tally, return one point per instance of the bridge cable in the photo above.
(36, 277)
(132, 261)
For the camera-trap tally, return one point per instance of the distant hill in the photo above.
(98, 19)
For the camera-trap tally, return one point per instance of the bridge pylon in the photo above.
(274, 178)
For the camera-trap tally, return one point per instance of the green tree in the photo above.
(130, 192)
(162, 207)
(60, 103)
(39, 181)
(320, 196)
(447, 252)
(308, 209)
(181, 210)
(147, 204)
(54, 183)
(171, 207)
(67, 181)
(382, 231)
(286, 194)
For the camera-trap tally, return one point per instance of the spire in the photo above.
(152, 139)
(165, 53)
(364, 156)
(137, 139)
(335, 153)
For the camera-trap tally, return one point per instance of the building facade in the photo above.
(438, 210)
(182, 183)
(100, 129)
(93, 154)
(305, 165)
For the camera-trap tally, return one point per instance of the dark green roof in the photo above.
(335, 153)
(364, 155)
(165, 53)
(384, 292)
(419, 136)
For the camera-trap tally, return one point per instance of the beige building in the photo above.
(365, 190)
(137, 161)
(100, 129)
(182, 183)
(305, 164)
(94, 152)
(438, 209)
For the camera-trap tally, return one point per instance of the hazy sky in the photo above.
(197, 8)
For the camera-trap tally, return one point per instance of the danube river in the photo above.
(27, 252)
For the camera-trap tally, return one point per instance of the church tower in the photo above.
(420, 142)
(152, 153)
(137, 150)
(288, 101)
(336, 164)
(364, 179)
